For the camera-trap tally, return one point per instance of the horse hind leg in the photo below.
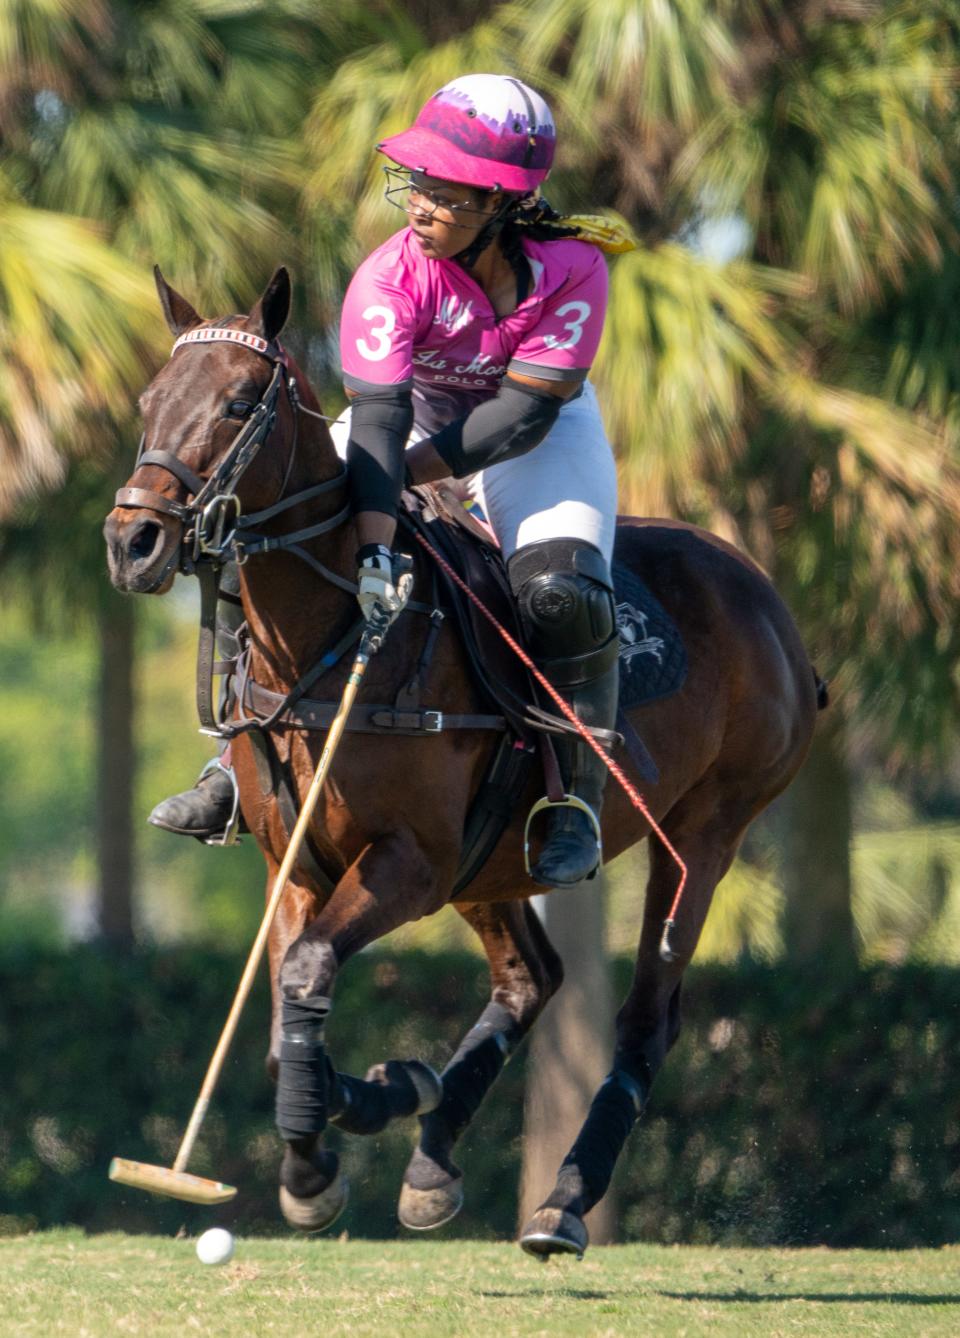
(390, 1091)
(524, 973)
(647, 1026)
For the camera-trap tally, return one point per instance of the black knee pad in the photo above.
(565, 599)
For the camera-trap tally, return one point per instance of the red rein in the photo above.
(666, 952)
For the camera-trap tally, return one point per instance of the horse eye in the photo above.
(238, 409)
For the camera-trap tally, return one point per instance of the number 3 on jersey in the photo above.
(574, 327)
(384, 323)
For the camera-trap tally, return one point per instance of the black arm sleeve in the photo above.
(512, 423)
(380, 422)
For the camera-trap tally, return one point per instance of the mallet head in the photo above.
(172, 1184)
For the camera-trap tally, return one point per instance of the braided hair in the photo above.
(519, 216)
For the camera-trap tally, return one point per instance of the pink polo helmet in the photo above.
(485, 130)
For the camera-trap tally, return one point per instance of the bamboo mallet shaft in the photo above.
(367, 647)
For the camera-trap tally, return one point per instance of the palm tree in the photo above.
(854, 508)
(742, 394)
(131, 135)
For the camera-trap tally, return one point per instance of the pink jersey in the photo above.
(412, 321)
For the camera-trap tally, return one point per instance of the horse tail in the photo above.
(823, 695)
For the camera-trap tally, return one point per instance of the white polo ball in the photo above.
(215, 1246)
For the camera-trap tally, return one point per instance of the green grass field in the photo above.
(62, 1282)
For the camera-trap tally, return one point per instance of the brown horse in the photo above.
(221, 418)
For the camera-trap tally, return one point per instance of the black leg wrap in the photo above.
(367, 1107)
(303, 1081)
(467, 1078)
(585, 1174)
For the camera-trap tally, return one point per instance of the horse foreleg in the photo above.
(358, 1106)
(524, 973)
(647, 1026)
(388, 885)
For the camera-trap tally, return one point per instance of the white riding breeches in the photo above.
(565, 488)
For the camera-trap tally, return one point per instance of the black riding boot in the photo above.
(571, 850)
(207, 811)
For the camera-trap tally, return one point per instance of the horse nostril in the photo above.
(144, 541)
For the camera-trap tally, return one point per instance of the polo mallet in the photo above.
(176, 1182)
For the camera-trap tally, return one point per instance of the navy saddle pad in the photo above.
(653, 661)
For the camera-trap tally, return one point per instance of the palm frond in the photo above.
(198, 205)
(47, 45)
(836, 162)
(372, 95)
(683, 337)
(77, 332)
(661, 64)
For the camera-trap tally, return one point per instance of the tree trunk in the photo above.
(116, 765)
(570, 1050)
(817, 826)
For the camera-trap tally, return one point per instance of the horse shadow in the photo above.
(569, 1293)
(740, 1296)
(862, 1298)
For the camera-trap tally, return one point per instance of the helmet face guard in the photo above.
(489, 131)
(413, 197)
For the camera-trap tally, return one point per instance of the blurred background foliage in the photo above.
(797, 1107)
(781, 364)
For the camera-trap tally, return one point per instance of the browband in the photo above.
(217, 334)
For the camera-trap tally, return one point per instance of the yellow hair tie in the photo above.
(610, 232)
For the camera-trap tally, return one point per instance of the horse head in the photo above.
(219, 442)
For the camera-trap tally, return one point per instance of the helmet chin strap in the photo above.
(469, 256)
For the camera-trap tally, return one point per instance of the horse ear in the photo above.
(269, 315)
(178, 311)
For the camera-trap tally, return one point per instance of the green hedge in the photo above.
(792, 1110)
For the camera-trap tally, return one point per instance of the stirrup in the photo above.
(568, 801)
(230, 836)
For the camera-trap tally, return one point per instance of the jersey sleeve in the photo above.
(564, 341)
(377, 325)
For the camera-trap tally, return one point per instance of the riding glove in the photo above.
(382, 596)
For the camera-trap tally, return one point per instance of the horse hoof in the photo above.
(424, 1209)
(426, 1082)
(319, 1211)
(554, 1231)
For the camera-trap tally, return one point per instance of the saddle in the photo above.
(514, 713)
(472, 550)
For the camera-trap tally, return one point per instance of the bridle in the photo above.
(214, 527)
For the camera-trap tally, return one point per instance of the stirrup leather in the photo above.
(230, 836)
(568, 801)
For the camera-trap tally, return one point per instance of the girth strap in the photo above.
(274, 779)
(494, 805)
(365, 718)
